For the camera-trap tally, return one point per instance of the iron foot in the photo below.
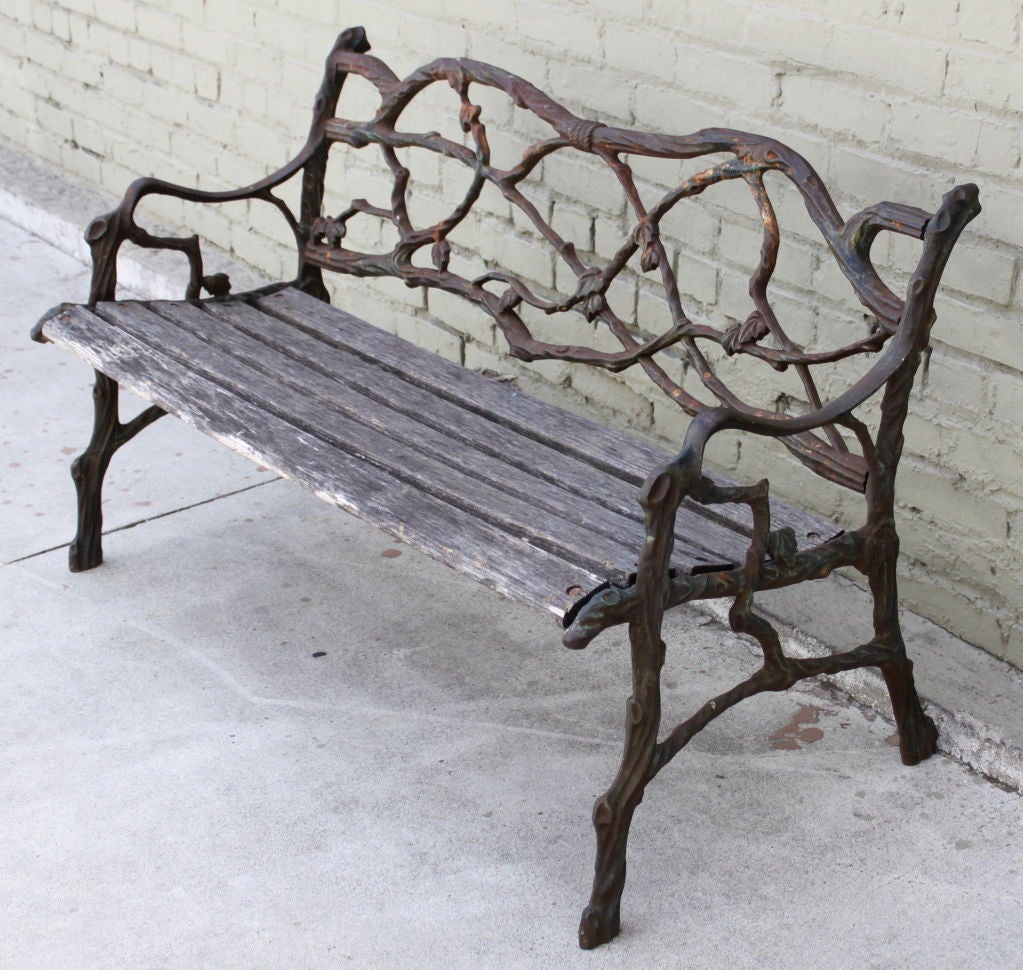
(918, 739)
(86, 550)
(598, 927)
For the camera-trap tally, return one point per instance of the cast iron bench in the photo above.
(533, 501)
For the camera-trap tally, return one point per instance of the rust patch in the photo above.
(391, 553)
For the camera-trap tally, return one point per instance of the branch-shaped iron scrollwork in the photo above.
(760, 336)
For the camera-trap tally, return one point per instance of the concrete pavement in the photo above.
(264, 734)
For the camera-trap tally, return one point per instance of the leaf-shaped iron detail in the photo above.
(590, 292)
(748, 332)
(468, 115)
(441, 254)
(330, 231)
(509, 300)
(645, 237)
(335, 233)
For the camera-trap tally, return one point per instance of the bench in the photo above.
(543, 505)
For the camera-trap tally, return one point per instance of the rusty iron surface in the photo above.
(820, 437)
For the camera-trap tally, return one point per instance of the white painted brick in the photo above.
(584, 180)
(606, 392)
(869, 178)
(207, 82)
(981, 272)
(425, 34)
(998, 148)
(549, 24)
(609, 236)
(627, 11)
(691, 226)
(794, 35)
(652, 313)
(833, 106)
(980, 330)
(994, 23)
(697, 279)
(158, 24)
(522, 256)
(54, 119)
(591, 91)
(42, 18)
(574, 225)
(891, 60)
(723, 20)
(461, 316)
(234, 17)
(673, 110)
(739, 245)
(979, 77)
(641, 51)
(934, 20)
(957, 383)
(117, 13)
(12, 40)
(718, 77)
(207, 45)
(494, 47)
(483, 358)
(948, 136)
(1008, 400)
(19, 11)
(936, 491)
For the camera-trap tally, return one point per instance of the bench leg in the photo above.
(87, 471)
(90, 467)
(918, 735)
(613, 811)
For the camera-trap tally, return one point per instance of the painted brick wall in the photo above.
(888, 100)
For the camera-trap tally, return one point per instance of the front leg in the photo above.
(613, 811)
(90, 467)
(88, 471)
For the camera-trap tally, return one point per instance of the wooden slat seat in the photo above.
(532, 500)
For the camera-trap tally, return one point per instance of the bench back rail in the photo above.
(816, 439)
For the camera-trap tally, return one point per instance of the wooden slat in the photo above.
(494, 557)
(446, 458)
(525, 465)
(579, 436)
(319, 416)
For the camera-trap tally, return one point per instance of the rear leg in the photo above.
(918, 734)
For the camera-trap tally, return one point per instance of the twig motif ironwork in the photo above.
(774, 558)
(752, 157)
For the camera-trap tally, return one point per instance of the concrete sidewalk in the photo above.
(265, 735)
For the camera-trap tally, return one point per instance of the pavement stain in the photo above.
(796, 734)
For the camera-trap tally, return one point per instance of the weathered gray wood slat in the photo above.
(594, 550)
(494, 557)
(573, 518)
(700, 540)
(584, 438)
